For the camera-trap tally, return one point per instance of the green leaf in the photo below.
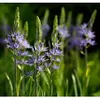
(10, 83)
(79, 83)
(67, 87)
(19, 84)
(96, 93)
(75, 85)
(82, 52)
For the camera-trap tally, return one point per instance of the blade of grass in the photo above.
(10, 83)
(74, 84)
(79, 83)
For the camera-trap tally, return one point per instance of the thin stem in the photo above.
(35, 83)
(87, 68)
(15, 73)
(86, 58)
(23, 81)
(85, 79)
(51, 82)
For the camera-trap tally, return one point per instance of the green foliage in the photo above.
(10, 84)
(63, 84)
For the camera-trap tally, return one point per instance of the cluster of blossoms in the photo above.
(16, 41)
(87, 36)
(78, 36)
(40, 56)
(54, 56)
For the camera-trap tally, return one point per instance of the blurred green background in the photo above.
(28, 12)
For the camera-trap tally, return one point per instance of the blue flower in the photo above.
(55, 55)
(87, 36)
(16, 41)
(63, 31)
(22, 41)
(39, 47)
(74, 42)
(56, 67)
(47, 64)
(20, 62)
(30, 61)
(45, 29)
(23, 53)
(40, 68)
(56, 52)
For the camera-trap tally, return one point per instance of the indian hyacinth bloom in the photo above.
(45, 29)
(37, 58)
(74, 42)
(16, 41)
(88, 37)
(54, 56)
(40, 47)
(63, 31)
(80, 37)
(23, 53)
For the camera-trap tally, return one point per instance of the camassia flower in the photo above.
(16, 41)
(36, 58)
(63, 31)
(54, 56)
(45, 29)
(74, 42)
(87, 36)
(83, 37)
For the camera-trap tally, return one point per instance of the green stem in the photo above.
(86, 58)
(23, 81)
(35, 83)
(51, 89)
(85, 78)
(15, 74)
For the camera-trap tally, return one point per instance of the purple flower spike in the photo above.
(87, 36)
